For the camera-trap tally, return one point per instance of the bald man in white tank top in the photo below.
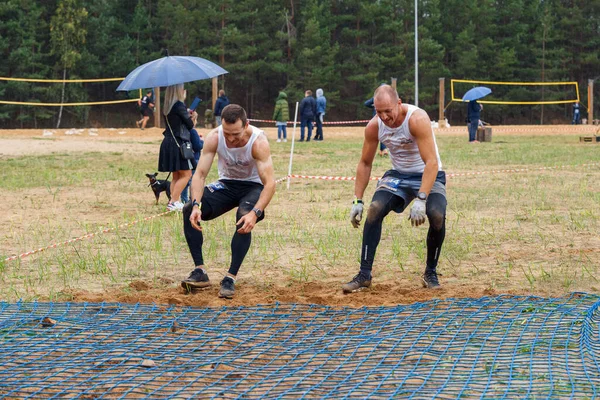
(246, 181)
(416, 175)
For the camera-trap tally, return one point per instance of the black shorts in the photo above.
(226, 194)
(146, 112)
(407, 186)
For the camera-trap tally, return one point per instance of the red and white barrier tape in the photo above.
(362, 121)
(328, 178)
(89, 235)
(374, 178)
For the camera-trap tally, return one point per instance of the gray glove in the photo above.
(418, 212)
(356, 213)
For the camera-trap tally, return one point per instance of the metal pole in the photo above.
(157, 115)
(590, 101)
(292, 149)
(442, 100)
(416, 55)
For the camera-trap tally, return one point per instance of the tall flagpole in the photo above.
(416, 55)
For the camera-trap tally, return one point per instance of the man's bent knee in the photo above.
(187, 210)
(436, 218)
(376, 211)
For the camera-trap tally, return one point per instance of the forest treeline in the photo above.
(345, 47)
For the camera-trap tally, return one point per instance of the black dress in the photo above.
(169, 158)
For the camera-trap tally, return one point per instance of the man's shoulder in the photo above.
(260, 147)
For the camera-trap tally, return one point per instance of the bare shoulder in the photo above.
(372, 129)
(261, 148)
(419, 123)
(212, 140)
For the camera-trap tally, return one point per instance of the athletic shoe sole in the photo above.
(427, 286)
(190, 286)
(225, 296)
(360, 289)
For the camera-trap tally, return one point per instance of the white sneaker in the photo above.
(178, 206)
(285, 140)
(278, 140)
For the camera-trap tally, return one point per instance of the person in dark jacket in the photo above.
(576, 114)
(473, 114)
(281, 114)
(220, 104)
(146, 104)
(197, 145)
(308, 113)
(170, 159)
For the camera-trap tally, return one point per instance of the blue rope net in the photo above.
(500, 347)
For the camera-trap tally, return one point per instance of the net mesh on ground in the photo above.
(495, 347)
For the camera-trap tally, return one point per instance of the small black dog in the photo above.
(159, 185)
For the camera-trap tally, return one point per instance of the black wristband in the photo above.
(357, 201)
(195, 203)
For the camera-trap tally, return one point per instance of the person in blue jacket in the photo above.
(321, 106)
(197, 145)
(576, 114)
(220, 104)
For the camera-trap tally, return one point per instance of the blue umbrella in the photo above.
(476, 93)
(170, 70)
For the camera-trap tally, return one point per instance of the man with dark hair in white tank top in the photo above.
(245, 181)
(416, 175)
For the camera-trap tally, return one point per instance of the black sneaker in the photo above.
(227, 288)
(359, 282)
(196, 280)
(430, 280)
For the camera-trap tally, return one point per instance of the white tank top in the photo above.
(238, 163)
(402, 146)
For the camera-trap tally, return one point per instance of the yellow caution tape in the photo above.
(95, 103)
(3, 78)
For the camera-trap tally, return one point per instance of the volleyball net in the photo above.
(519, 93)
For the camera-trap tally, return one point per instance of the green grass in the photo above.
(532, 231)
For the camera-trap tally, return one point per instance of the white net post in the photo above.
(292, 149)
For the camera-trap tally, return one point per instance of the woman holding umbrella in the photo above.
(473, 116)
(474, 109)
(172, 72)
(170, 158)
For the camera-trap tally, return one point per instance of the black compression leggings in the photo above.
(240, 243)
(383, 202)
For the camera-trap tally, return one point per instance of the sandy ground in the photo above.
(15, 143)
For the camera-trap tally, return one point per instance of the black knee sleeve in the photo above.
(436, 211)
(376, 211)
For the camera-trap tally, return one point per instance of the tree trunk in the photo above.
(62, 97)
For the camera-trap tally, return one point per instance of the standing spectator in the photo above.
(576, 114)
(308, 112)
(281, 116)
(321, 106)
(170, 158)
(383, 151)
(220, 104)
(197, 145)
(473, 114)
(146, 104)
